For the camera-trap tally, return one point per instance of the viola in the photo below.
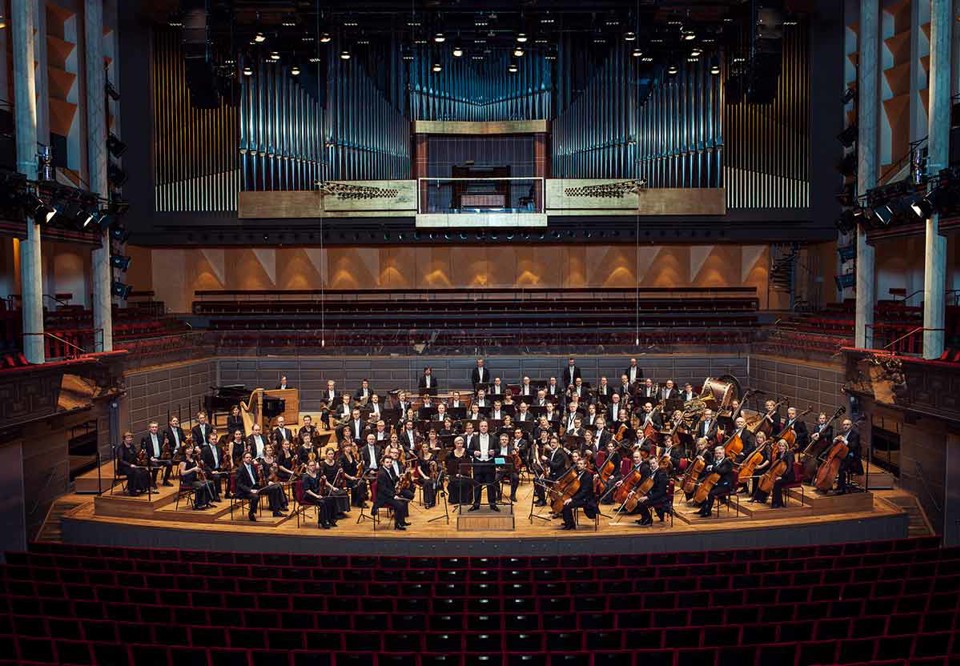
(827, 472)
(563, 489)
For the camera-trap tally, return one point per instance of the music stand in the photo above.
(457, 413)
(534, 509)
(442, 496)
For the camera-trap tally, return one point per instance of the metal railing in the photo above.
(508, 194)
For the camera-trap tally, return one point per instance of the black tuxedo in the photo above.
(727, 480)
(386, 492)
(623, 391)
(176, 437)
(257, 452)
(247, 483)
(615, 416)
(570, 375)
(657, 498)
(802, 436)
(357, 429)
(655, 418)
(358, 394)
(851, 463)
(483, 471)
(422, 384)
(280, 434)
(200, 437)
(669, 394)
(368, 462)
(480, 376)
(557, 464)
(213, 461)
(138, 479)
(687, 397)
(154, 451)
(639, 374)
(585, 498)
(707, 430)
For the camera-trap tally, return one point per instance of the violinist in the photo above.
(851, 463)
(449, 429)
(281, 433)
(483, 468)
(409, 438)
(554, 462)
(308, 428)
(174, 434)
(330, 473)
(387, 493)
(205, 493)
(786, 456)
(507, 472)
(656, 498)
(256, 442)
(249, 488)
(350, 464)
(763, 466)
(432, 441)
(429, 468)
(153, 444)
(584, 498)
(214, 465)
(459, 486)
(286, 461)
(236, 447)
(395, 457)
(306, 451)
(723, 467)
(313, 496)
(670, 450)
(128, 464)
(746, 437)
(589, 444)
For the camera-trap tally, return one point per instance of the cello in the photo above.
(788, 434)
(692, 475)
(600, 481)
(733, 446)
(777, 469)
(749, 465)
(705, 486)
(765, 424)
(564, 488)
(811, 454)
(828, 470)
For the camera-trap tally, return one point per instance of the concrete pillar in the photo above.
(97, 167)
(22, 23)
(938, 147)
(867, 111)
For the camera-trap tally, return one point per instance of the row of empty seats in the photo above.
(893, 601)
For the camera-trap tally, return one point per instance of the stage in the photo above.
(154, 521)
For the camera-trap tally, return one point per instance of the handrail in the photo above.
(904, 336)
(899, 164)
(923, 478)
(58, 301)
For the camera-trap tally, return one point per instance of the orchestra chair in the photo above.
(596, 519)
(668, 503)
(187, 492)
(374, 515)
(236, 501)
(797, 483)
(724, 498)
(119, 478)
(299, 508)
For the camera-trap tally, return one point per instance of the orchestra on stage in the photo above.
(632, 446)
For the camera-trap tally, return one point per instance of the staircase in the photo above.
(919, 525)
(782, 260)
(50, 531)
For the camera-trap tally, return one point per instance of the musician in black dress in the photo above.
(584, 498)
(760, 440)
(235, 421)
(429, 468)
(785, 455)
(459, 479)
(331, 476)
(351, 465)
(387, 496)
(656, 498)
(138, 477)
(236, 446)
(313, 496)
(306, 452)
(724, 467)
(205, 493)
(287, 463)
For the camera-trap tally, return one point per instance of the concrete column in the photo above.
(97, 166)
(938, 147)
(22, 20)
(868, 103)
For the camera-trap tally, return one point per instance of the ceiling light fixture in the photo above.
(636, 53)
(518, 52)
(437, 67)
(344, 55)
(439, 38)
(260, 38)
(295, 71)
(457, 51)
(325, 38)
(630, 36)
(513, 69)
(521, 37)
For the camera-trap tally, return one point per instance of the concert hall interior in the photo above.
(523, 332)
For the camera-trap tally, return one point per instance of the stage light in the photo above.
(116, 175)
(260, 38)
(119, 233)
(848, 136)
(115, 145)
(848, 95)
(636, 53)
(3, 21)
(274, 56)
(439, 38)
(120, 262)
(248, 71)
(437, 67)
(457, 51)
(37, 209)
(688, 35)
(325, 38)
(521, 37)
(630, 36)
(846, 281)
(295, 71)
(884, 214)
(344, 55)
(672, 70)
(121, 290)
(103, 219)
(518, 52)
(513, 69)
(696, 53)
(715, 67)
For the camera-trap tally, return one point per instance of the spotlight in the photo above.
(846, 281)
(696, 53)
(521, 37)
(115, 145)
(325, 38)
(518, 52)
(636, 53)
(116, 175)
(439, 38)
(120, 262)
(295, 71)
(112, 92)
(37, 209)
(437, 67)
(672, 70)
(513, 69)
(848, 136)
(688, 35)
(925, 206)
(848, 165)
(715, 67)
(848, 95)
(103, 219)
(274, 56)
(119, 233)
(260, 38)
(457, 51)
(884, 214)
(630, 36)
(120, 290)
(344, 55)
(248, 71)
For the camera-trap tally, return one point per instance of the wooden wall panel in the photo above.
(398, 267)
(573, 269)
(297, 270)
(432, 265)
(611, 265)
(669, 268)
(353, 268)
(470, 267)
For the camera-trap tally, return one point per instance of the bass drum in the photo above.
(720, 392)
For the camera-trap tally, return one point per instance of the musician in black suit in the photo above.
(427, 383)
(724, 467)
(707, 427)
(283, 385)
(370, 453)
(256, 442)
(174, 434)
(648, 391)
(623, 390)
(571, 373)
(330, 395)
(650, 416)
(687, 394)
(504, 450)
(249, 488)
(615, 411)
(152, 443)
(307, 428)
(215, 466)
(201, 431)
(669, 391)
(356, 425)
(785, 455)
(138, 478)
(634, 372)
(584, 498)
(603, 390)
(656, 498)
(409, 438)
(387, 494)
(799, 428)
(364, 391)
(313, 495)
(282, 433)
(480, 375)
(851, 463)
(747, 437)
(483, 450)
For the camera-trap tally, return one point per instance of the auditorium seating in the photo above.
(878, 602)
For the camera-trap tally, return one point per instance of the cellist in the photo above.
(656, 498)
(851, 463)
(786, 456)
(584, 498)
(642, 467)
(761, 441)
(799, 428)
(724, 467)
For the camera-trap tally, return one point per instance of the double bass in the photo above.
(788, 434)
(828, 470)
(764, 424)
(811, 454)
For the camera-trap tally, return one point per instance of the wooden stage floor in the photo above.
(105, 518)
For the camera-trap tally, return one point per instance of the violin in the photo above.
(828, 470)
(142, 460)
(563, 489)
(166, 451)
